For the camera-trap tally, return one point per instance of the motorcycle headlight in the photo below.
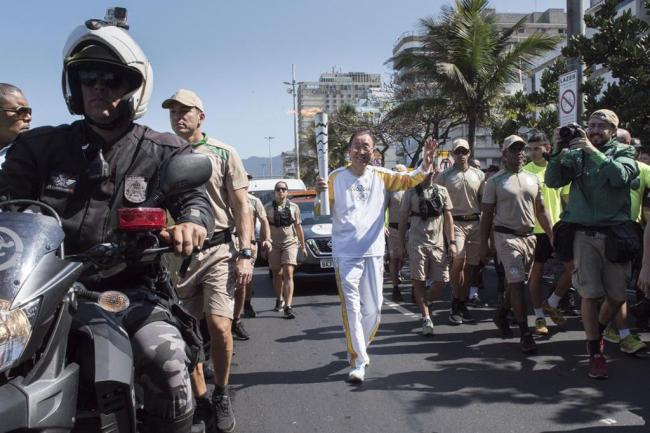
(15, 329)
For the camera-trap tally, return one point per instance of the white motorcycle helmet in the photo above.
(103, 44)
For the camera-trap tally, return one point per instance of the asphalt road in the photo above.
(290, 377)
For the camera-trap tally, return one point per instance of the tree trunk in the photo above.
(472, 120)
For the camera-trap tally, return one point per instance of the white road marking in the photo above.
(401, 309)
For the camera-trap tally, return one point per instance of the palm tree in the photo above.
(470, 58)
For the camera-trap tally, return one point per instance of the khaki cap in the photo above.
(459, 142)
(185, 97)
(512, 139)
(607, 115)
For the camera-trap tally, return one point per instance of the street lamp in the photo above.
(295, 116)
(269, 138)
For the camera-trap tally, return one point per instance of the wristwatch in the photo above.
(246, 253)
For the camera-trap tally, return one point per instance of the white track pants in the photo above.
(360, 281)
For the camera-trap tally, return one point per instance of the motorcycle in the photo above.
(65, 362)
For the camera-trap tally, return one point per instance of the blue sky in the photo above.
(234, 54)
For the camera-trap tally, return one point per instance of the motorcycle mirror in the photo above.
(179, 174)
(184, 172)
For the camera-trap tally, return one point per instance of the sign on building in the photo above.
(568, 98)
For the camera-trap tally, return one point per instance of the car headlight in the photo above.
(15, 329)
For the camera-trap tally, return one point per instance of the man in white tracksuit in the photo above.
(357, 195)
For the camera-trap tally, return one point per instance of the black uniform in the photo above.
(58, 165)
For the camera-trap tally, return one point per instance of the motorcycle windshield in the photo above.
(24, 239)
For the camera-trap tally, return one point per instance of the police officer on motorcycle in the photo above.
(88, 169)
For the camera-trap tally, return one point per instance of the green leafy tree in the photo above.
(472, 60)
(622, 45)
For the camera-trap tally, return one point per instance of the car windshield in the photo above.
(308, 216)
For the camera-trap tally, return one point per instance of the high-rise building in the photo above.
(330, 92)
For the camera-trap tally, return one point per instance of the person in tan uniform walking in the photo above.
(395, 264)
(513, 200)
(465, 187)
(208, 287)
(286, 236)
(429, 209)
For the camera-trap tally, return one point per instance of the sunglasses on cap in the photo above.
(280, 189)
(19, 110)
(111, 79)
(461, 151)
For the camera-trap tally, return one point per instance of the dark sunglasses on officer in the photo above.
(20, 111)
(111, 79)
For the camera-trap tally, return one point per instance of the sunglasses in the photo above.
(461, 152)
(112, 80)
(280, 189)
(19, 110)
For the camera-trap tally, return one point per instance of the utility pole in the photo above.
(294, 94)
(576, 26)
(269, 138)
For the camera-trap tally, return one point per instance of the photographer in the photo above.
(601, 171)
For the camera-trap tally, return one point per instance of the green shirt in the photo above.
(600, 183)
(638, 189)
(552, 196)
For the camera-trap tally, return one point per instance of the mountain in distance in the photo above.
(259, 166)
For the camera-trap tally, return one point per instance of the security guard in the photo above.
(513, 201)
(465, 186)
(429, 208)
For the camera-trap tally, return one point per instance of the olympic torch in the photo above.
(322, 151)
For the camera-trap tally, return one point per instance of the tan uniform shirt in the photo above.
(465, 189)
(228, 175)
(283, 237)
(257, 208)
(429, 231)
(394, 206)
(514, 195)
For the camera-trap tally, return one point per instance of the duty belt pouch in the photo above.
(624, 242)
(563, 234)
(189, 329)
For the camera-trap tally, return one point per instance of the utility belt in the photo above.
(472, 217)
(221, 237)
(509, 231)
(396, 225)
(424, 217)
(274, 224)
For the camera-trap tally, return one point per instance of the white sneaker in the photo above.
(357, 375)
(427, 326)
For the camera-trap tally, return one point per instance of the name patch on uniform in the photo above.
(62, 182)
(135, 189)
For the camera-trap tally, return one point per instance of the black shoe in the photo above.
(527, 343)
(223, 414)
(288, 312)
(203, 414)
(279, 303)
(465, 314)
(397, 295)
(238, 331)
(503, 324)
(249, 311)
(454, 314)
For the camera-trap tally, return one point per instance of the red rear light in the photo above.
(142, 218)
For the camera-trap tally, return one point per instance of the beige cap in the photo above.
(185, 97)
(459, 142)
(512, 139)
(606, 115)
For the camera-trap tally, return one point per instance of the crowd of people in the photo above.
(581, 201)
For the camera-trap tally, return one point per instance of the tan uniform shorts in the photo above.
(393, 243)
(283, 256)
(468, 241)
(516, 253)
(593, 275)
(427, 262)
(209, 285)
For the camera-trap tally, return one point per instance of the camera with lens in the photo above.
(567, 134)
(117, 17)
